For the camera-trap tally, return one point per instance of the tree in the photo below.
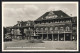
(29, 34)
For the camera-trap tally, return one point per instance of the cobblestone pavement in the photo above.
(47, 45)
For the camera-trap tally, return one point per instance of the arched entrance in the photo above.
(55, 37)
(61, 37)
(49, 36)
(67, 37)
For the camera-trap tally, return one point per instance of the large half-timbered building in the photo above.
(55, 25)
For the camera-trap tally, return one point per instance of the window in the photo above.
(46, 28)
(29, 28)
(61, 15)
(26, 24)
(18, 32)
(61, 28)
(29, 24)
(41, 28)
(68, 20)
(56, 28)
(51, 28)
(55, 16)
(67, 28)
(47, 17)
(56, 21)
(51, 13)
(51, 22)
(74, 28)
(25, 30)
(19, 25)
(42, 23)
(36, 29)
(61, 21)
(50, 17)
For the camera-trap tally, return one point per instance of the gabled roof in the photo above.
(23, 23)
(59, 14)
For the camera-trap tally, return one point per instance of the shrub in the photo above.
(35, 41)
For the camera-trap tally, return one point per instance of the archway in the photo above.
(67, 37)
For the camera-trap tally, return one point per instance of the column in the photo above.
(47, 36)
(42, 36)
(52, 37)
(37, 37)
(58, 36)
(71, 37)
(64, 36)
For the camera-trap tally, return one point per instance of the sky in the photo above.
(24, 12)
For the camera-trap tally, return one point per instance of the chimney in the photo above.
(18, 22)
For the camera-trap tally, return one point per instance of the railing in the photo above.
(51, 24)
(51, 32)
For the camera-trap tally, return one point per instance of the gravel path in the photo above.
(47, 45)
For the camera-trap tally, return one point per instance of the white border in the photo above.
(42, 3)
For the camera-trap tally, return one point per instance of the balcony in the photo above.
(52, 32)
(52, 24)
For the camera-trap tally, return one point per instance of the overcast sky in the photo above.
(17, 12)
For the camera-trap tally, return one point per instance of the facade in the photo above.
(53, 25)
(23, 30)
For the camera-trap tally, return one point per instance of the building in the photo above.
(7, 35)
(23, 30)
(56, 25)
(53, 25)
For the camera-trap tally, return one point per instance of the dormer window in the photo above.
(47, 17)
(19, 25)
(51, 13)
(61, 15)
(55, 16)
(42, 17)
